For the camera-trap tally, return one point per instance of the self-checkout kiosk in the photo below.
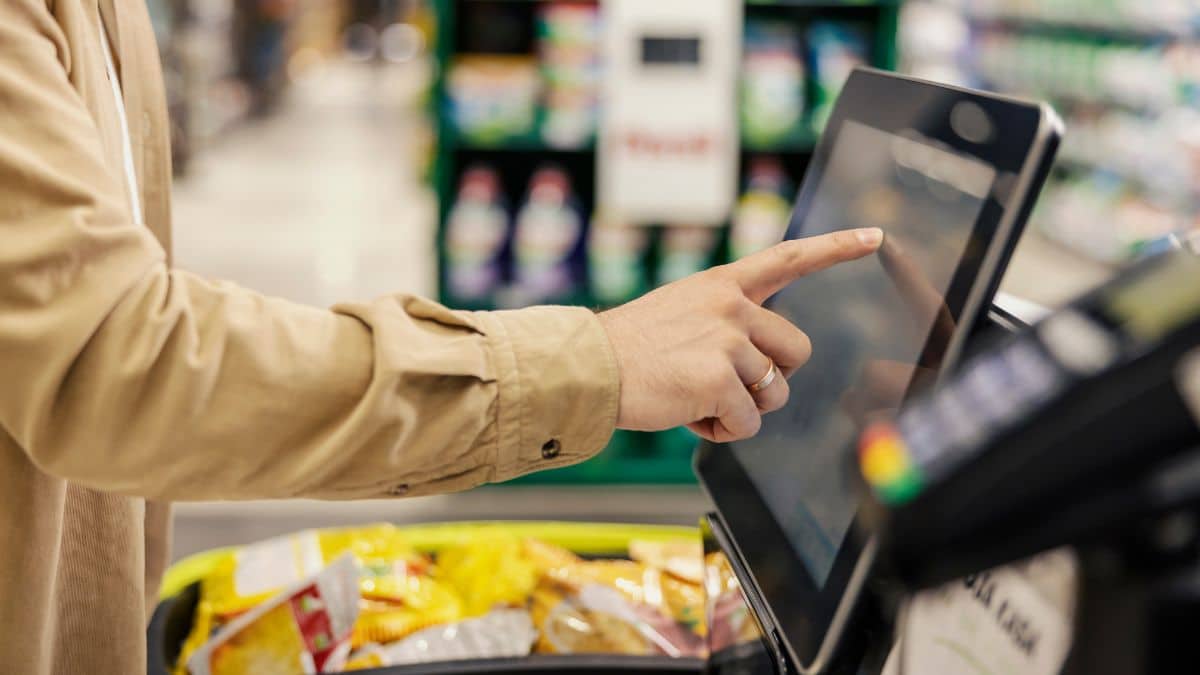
(1025, 502)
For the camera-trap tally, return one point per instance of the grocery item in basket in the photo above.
(682, 558)
(641, 584)
(301, 631)
(546, 556)
(600, 619)
(258, 571)
(428, 603)
(501, 633)
(488, 571)
(729, 619)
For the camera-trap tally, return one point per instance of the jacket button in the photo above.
(551, 448)
(398, 490)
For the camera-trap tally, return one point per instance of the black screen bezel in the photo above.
(802, 611)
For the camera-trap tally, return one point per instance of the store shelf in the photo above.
(1102, 28)
(802, 139)
(533, 141)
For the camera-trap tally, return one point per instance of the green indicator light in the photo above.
(902, 490)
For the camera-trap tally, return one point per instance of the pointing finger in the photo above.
(767, 272)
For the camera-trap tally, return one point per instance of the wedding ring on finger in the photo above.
(766, 380)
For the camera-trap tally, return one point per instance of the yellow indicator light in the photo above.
(885, 461)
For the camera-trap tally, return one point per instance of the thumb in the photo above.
(767, 272)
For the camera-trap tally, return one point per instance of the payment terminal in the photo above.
(1083, 431)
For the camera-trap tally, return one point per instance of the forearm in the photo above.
(193, 390)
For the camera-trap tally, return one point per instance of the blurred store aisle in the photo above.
(320, 202)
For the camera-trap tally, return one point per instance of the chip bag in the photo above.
(398, 593)
(618, 606)
(493, 569)
(641, 584)
(600, 619)
(258, 571)
(303, 630)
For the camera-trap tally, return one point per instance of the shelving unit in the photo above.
(507, 32)
(1123, 74)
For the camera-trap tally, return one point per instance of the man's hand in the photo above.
(688, 351)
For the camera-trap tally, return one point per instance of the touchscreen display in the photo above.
(869, 320)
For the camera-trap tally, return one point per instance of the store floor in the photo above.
(321, 203)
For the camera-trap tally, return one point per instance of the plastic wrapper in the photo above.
(683, 559)
(398, 593)
(621, 607)
(729, 619)
(257, 572)
(502, 633)
(303, 630)
(640, 584)
(492, 594)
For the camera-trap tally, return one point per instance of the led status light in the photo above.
(887, 466)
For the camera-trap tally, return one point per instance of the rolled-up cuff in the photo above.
(559, 387)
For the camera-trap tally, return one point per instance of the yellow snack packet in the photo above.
(258, 571)
(427, 602)
(546, 556)
(492, 569)
(301, 631)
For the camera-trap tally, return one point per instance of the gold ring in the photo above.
(766, 379)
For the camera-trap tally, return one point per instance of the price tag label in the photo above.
(1014, 620)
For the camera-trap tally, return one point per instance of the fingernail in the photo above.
(870, 236)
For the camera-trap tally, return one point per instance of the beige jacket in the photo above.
(123, 380)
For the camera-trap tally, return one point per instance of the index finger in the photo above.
(765, 273)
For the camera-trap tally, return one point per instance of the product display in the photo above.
(285, 605)
(1125, 75)
(836, 48)
(685, 250)
(477, 234)
(773, 99)
(493, 97)
(548, 256)
(763, 209)
(569, 47)
(617, 265)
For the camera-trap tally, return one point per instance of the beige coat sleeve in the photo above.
(121, 374)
